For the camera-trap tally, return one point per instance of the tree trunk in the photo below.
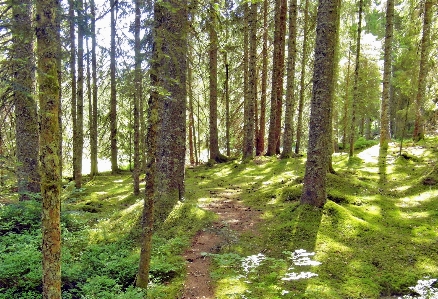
(167, 120)
(346, 102)
(277, 78)
(73, 82)
(47, 24)
(227, 104)
(137, 99)
(212, 53)
(249, 107)
(80, 97)
(260, 147)
(314, 189)
(418, 133)
(113, 104)
(356, 82)
(26, 128)
(384, 111)
(290, 98)
(302, 78)
(93, 127)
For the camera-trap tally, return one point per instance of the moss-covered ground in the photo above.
(376, 237)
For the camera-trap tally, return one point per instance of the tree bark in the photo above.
(418, 133)
(384, 111)
(26, 128)
(314, 189)
(47, 24)
(277, 78)
(290, 98)
(260, 139)
(356, 82)
(302, 78)
(113, 104)
(249, 107)
(137, 99)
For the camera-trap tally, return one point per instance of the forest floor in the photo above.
(241, 233)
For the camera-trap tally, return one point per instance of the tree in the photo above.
(384, 111)
(290, 100)
(356, 79)
(251, 98)
(26, 129)
(167, 123)
(277, 78)
(113, 105)
(93, 120)
(422, 73)
(314, 189)
(47, 25)
(260, 138)
(302, 78)
(137, 98)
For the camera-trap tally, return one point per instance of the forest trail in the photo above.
(233, 219)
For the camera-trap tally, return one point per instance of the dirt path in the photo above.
(234, 219)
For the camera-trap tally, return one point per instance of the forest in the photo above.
(218, 149)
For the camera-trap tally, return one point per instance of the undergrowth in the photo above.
(374, 238)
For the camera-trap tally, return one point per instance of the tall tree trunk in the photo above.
(384, 111)
(167, 125)
(277, 78)
(251, 98)
(302, 78)
(356, 82)
(260, 139)
(212, 53)
(93, 127)
(113, 104)
(418, 133)
(346, 101)
(290, 98)
(26, 128)
(73, 82)
(314, 189)
(80, 97)
(227, 104)
(137, 99)
(47, 24)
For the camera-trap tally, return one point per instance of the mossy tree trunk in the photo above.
(166, 137)
(47, 24)
(314, 189)
(277, 78)
(418, 133)
(26, 133)
(290, 92)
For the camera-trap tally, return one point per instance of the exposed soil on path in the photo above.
(234, 219)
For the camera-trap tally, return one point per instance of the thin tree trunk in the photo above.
(93, 133)
(26, 127)
(418, 133)
(260, 148)
(290, 98)
(277, 78)
(47, 24)
(317, 165)
(302, 78)
(356, 82)
(248, 143)
(73, 82)
(191, 119)
(227, 104)
(80, 97)
(113, 104)
(137, 99)
(384, 116)
(346, 101)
